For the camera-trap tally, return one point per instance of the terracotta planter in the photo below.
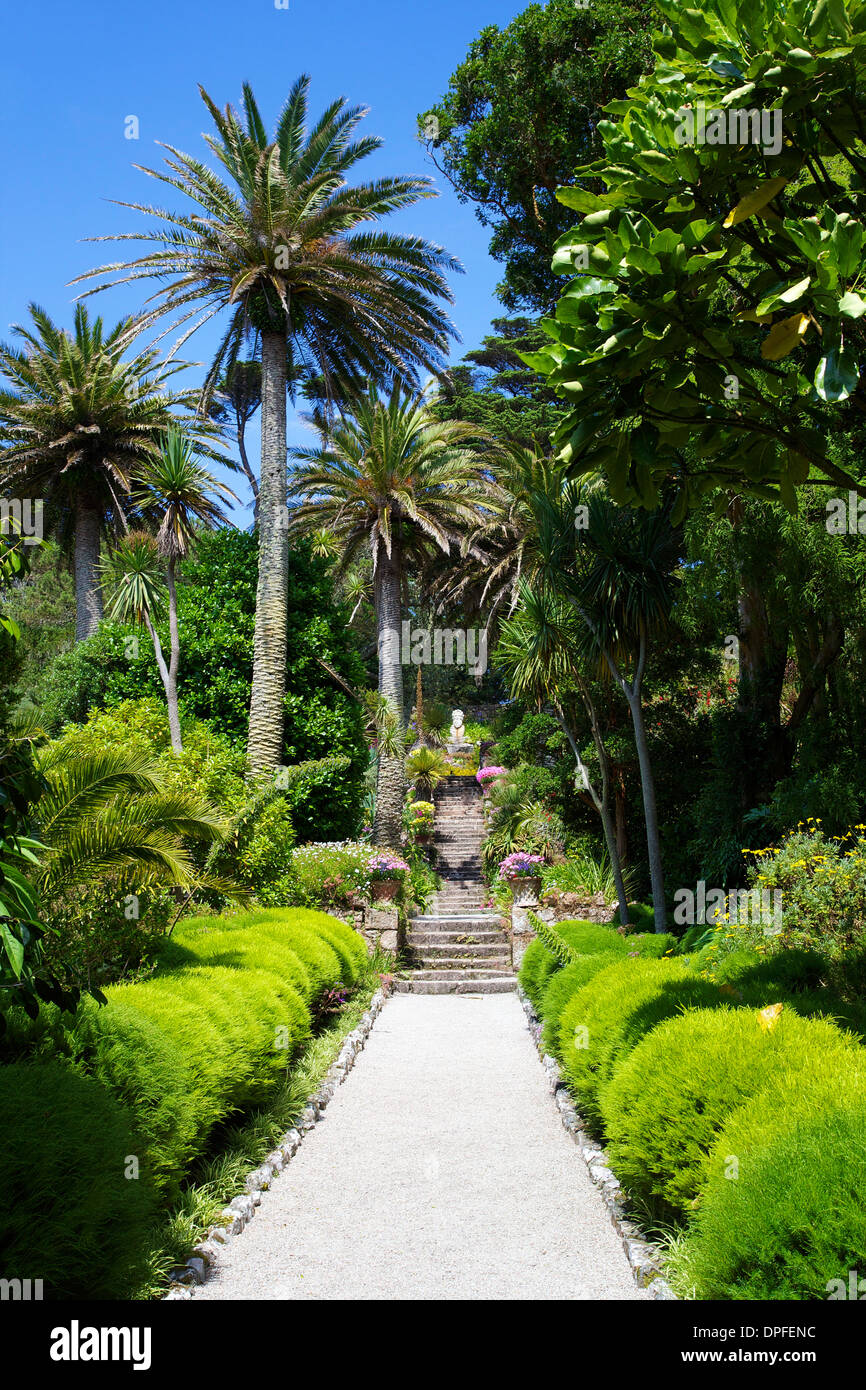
(424, 837)
(384, 889)
(525, 889)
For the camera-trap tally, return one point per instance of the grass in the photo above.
(220, 1176)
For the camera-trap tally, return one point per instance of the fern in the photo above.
(550, 937)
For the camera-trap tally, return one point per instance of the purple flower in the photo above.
(521, 865)
(487, 774)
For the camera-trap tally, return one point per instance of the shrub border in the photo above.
(241, 1209)
(643, 1256)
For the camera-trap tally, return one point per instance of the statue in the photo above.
(457, 733)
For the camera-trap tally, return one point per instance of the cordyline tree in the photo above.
(290, 249)
(714, 331)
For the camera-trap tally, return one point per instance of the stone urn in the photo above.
(384, 889)
(525, 889)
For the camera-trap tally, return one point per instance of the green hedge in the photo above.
(157, 1069)
(792, 1225)
(610, 1015)
(560, 988)
(70, 1215)
(539, 964)
(668, 1100)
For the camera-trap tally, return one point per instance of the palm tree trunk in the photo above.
(391, 776)
(88, 595)
(164, 676)
(265, 745)
(174, 663)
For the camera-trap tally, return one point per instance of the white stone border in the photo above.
(242, 1209)
(644, 1257)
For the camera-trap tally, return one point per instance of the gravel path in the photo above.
(439, 1171)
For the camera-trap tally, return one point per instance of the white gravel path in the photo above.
(440, 1170)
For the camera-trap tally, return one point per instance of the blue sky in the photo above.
(72, 74)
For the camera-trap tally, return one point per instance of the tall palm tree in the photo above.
(284, 244)
(78, 422)
(182, 493)
(394, 482)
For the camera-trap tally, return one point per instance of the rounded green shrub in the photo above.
(667, 1101)
(559, 990)
(792, 1225)
(642, 916)
(539, 965)
(146, 1069)
(649, 945)
(784, 1101)
(591, 937)
(70, 1216)
(248, 945)
(610, 1015)
(536, 959)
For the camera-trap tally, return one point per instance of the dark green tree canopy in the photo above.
(493, 387)
(520, 112)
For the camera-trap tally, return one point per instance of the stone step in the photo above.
(456, 984)
(459, 950)
(451, 942)
(483, 966)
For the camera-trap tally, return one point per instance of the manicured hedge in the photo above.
(560, 988)
(603, 1021)
(151, 1074)
(73, 1213)
(792, 1225)
(588, 938)
(667, 1101)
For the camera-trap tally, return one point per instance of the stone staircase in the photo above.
(458, 947)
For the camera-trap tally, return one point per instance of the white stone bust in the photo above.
(458, 733)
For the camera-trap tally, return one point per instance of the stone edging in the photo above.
(242, 1209)
(644, 1257)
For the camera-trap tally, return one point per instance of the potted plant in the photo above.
(421, 816)
(387, 872)
(522, 873)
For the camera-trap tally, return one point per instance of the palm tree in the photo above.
(502, 550)
(77, 426)
(180, 492)
(394, 482)
(108, 816)
(285, 244)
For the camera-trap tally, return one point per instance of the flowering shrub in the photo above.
(485, 775)
(822, 883)
(328, 875)
(387, 865)
(521, 865)
(421, 815)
